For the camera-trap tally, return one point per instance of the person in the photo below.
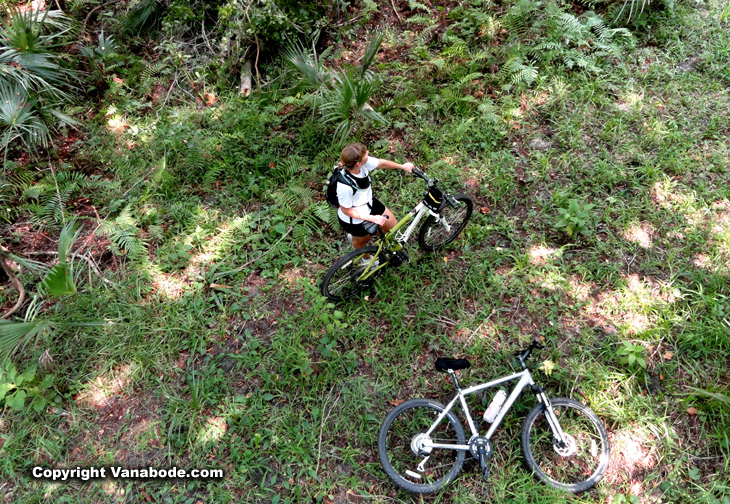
(358, 206)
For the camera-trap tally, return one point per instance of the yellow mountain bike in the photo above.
(445, 218)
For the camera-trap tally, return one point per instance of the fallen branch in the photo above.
(16, 284)
(392, 3)
(86, 257)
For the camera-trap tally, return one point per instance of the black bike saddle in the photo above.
(443, 364)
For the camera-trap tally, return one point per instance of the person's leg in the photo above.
(390, 222)
(360, 241)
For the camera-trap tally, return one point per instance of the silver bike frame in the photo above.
(525, 380)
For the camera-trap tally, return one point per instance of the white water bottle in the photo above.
(495, 406)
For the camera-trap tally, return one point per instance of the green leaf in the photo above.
(17, 400)
(694, 473)
(47, 381)
(280, 228)
(5, 387)
(39, 403)
(26, 376)
(268, 397)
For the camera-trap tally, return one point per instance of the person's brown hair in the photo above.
(352, 154)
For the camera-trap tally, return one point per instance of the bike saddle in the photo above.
(443, 364)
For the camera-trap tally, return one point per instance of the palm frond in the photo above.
(145, 15)
(309, 66)
(371, 50)
(18, 120)
(14, 334)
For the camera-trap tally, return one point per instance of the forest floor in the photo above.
(206, 354)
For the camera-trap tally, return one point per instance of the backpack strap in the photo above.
(342, 177)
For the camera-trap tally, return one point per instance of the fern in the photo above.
(126, 238)
(425, 34)
(311, 221)
(194, 159)
(293, 198)
(414, 5)
(488, 111)
(212, 173)
(284, 171)
(421, 20)
(326, 156)
(51, 196)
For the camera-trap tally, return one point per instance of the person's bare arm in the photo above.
(390, 165)
(355, 214)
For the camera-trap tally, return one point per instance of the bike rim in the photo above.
(344, 282)
(410, 425)
(576, 463)
(437, 234)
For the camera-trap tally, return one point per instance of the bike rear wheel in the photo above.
(433, 235)
(399, 452)
(580, 464)
(341, 280)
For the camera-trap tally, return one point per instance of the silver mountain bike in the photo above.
(422, 445)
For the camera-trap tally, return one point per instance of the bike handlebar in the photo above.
(420, 174)
(525, 354)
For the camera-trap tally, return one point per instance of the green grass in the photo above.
(200, 363)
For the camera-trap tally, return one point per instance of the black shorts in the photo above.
(358, 229)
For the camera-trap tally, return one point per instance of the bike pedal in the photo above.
(399, 257)
(485, 473)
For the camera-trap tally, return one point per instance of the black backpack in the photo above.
(331, 194)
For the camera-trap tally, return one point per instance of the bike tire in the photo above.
(577, 471)
(340, 281)
(432, 236)
(399, 429)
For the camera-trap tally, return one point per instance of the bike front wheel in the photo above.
(343, 279)
(582, 461)
(434, 234)
(407, 462)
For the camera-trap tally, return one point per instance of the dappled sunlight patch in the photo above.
(580, 289)
(112, 488)
(212, 431)
(99, 392)
(215, 247)
(117, 124)
(633, 456)
(639, 234)
(50, 488)
(540, 254)
(200, 260)
(663, 193)
(292, 275)
(169, 285)
(630, 101)
(702, 261)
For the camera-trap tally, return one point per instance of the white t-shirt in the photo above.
(360, 198)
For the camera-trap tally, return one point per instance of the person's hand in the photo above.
(378, 219)
(408, 167)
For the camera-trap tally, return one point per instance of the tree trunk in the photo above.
(246, 78)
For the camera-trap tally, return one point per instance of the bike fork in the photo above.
(559, 437)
